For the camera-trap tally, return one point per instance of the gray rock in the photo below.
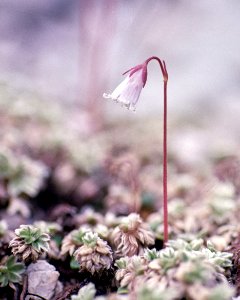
(42, 280)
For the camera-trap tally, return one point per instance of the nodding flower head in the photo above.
(128, 91)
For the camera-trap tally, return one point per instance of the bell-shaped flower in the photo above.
(128, 91)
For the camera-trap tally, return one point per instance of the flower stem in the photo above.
(165, 185)
(165, 159)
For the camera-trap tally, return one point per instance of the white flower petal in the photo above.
(128, 91)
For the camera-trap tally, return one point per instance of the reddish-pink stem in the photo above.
(165, 185)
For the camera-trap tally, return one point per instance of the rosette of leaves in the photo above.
(53, 229)
(10, 272)
(168, 258)
(151, 254)
(94, 255)
(87, 292)
(186, 264)
(72, 241)
(85, 156)
(196, 249)
(129, 270)
(132, 236)
(30, 243)
(181, 244)
(48, 227)
(176, 208)
(179, 251)
(191, 264)
(92, 220)
(221, 202)
(221, 209)
(22, 174)
(88, 216)
(195, 271)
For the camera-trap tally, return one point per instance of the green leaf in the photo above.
(14, 277)
(74, 264)
(4, 282)
(10, 262)
(18, 268)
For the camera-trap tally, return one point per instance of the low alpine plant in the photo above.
(30, 243)
(10, 272)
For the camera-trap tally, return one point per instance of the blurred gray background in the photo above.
(73, 51)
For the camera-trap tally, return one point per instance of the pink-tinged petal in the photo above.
(144, 74)
(136, 68)
(128, 91)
